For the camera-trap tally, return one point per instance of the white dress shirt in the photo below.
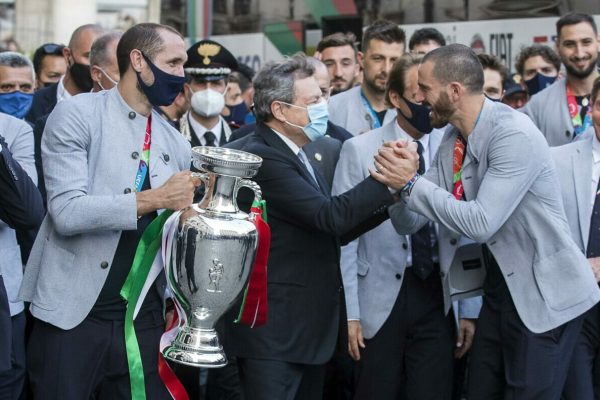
(200, 130)
(61, 91)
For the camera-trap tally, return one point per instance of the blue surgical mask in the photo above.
(420, 116)
(16, 103)
(538, 83)
(318, 114)
(165, 87)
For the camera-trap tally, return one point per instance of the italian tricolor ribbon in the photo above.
(147, 265)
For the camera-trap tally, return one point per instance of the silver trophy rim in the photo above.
(226, 161)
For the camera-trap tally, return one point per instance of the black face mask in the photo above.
(81, 76)
(420, 116)
(165, 88)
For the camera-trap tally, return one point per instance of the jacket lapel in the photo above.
(275, 141)
(582, 176)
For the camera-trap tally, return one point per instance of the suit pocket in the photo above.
(362, 267)
(563, 278)
(56, 277)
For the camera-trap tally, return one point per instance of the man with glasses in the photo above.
(49, 64)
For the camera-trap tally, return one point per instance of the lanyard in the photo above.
(575, 114)
(372, 113)
(142, 171)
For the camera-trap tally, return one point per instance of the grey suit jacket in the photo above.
(90, 151)
(347, 110)
(371, 263)
(515, 207)
(574, 167)
(19, 138)
(549, 112)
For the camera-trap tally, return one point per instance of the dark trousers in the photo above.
(412, 354)
(12, 379)
(583, 379)
(508, 361)
(90, 362)
(280, 380)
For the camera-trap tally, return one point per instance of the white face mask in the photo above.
(208, 102)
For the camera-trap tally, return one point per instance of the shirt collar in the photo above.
(61, 91)
(200, 130)
(293, 146)
(400, 133)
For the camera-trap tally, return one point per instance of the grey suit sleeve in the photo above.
(65, 146)
(512, 168)
(347, 175)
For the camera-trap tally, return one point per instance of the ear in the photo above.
(395, 99)
(96, 74)
(455, 91)
(137, 60)
(67, 55)
(277, 111)
(361, 57)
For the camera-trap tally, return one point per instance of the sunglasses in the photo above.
(51, 48)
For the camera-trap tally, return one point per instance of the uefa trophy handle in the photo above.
(250, 185)
(204, 177)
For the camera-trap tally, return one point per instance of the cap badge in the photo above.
(208, 50)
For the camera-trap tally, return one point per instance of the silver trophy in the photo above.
(212, 254)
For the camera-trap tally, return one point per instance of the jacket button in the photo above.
(166, 157)
(127, 191)
(567, 134)
(103, 265)
(398, 276)
(131, 115)
(453, 241)
(404, 246)
(135, 155)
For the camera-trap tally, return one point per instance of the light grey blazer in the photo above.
(574, 167)
(90, 150)
(347, 110)
(515, 207)
(370, 263)
(19, 138)
(549, 112)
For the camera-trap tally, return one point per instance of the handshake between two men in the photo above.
(396, 163)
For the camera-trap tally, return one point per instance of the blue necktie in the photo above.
(311, 171)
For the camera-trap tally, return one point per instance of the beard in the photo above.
(374, 86)
(339, 85)
(581, 74)
(441, 111)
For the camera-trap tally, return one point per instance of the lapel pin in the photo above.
(318, 156)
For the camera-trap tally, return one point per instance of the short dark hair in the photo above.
(397, 76)
(146, 38)
(595, 90)
(425, 35)
(386, 31)
(489, 61)
(47, 49)
(456, 63)
(275, 82)
(240, 79)
(338, 39)
(574, 18)
(541, 50)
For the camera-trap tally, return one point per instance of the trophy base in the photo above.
(197, 348)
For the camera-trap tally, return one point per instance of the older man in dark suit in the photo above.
(285, 359)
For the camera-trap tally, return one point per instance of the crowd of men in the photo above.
(435, 221)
